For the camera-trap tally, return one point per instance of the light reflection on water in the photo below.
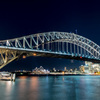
(51, 88)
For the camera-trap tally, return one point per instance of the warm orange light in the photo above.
(34, 54)
(24, 57)
(62, 72)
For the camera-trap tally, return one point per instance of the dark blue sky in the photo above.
(24, 18)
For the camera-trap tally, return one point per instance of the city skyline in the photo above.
(24, 18)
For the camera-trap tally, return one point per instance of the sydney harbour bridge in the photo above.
(49, 44)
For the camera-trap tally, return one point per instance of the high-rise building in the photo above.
(65, 69)
(86, 69)
(96, 68)
(91, 67)
(81, 68)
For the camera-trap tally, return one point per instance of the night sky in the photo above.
(24, 18)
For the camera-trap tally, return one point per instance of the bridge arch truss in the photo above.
(52, 43)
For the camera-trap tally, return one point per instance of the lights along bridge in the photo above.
(49, 44)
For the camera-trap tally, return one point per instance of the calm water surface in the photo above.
(51, 88)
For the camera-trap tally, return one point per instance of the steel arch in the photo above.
(62, 43)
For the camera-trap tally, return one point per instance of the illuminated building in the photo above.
(96, 68)
(70, 71)
(91, 67)
(54, 69)
(40, 70)
(75, 71)
(65, 69)
(81, 68)
(86, 69)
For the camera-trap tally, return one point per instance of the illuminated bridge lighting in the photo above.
(24, 56)
(49, 44)
(34, 54)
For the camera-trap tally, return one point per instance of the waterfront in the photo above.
(51, 88)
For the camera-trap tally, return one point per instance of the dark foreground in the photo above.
(51, 88)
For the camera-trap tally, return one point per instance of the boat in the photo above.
(7, 76)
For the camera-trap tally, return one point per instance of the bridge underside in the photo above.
(69, 57)
(65, 57)
(57, 55)
(7, 56)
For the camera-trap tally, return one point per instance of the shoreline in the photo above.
(57, 75)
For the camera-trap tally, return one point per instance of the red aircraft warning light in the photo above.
(81, 57)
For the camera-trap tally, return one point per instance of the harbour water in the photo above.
(51, 88)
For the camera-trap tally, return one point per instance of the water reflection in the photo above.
(34, 91)
(51, 88)
(9, 86)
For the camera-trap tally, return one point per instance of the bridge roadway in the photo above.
(40, 53)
